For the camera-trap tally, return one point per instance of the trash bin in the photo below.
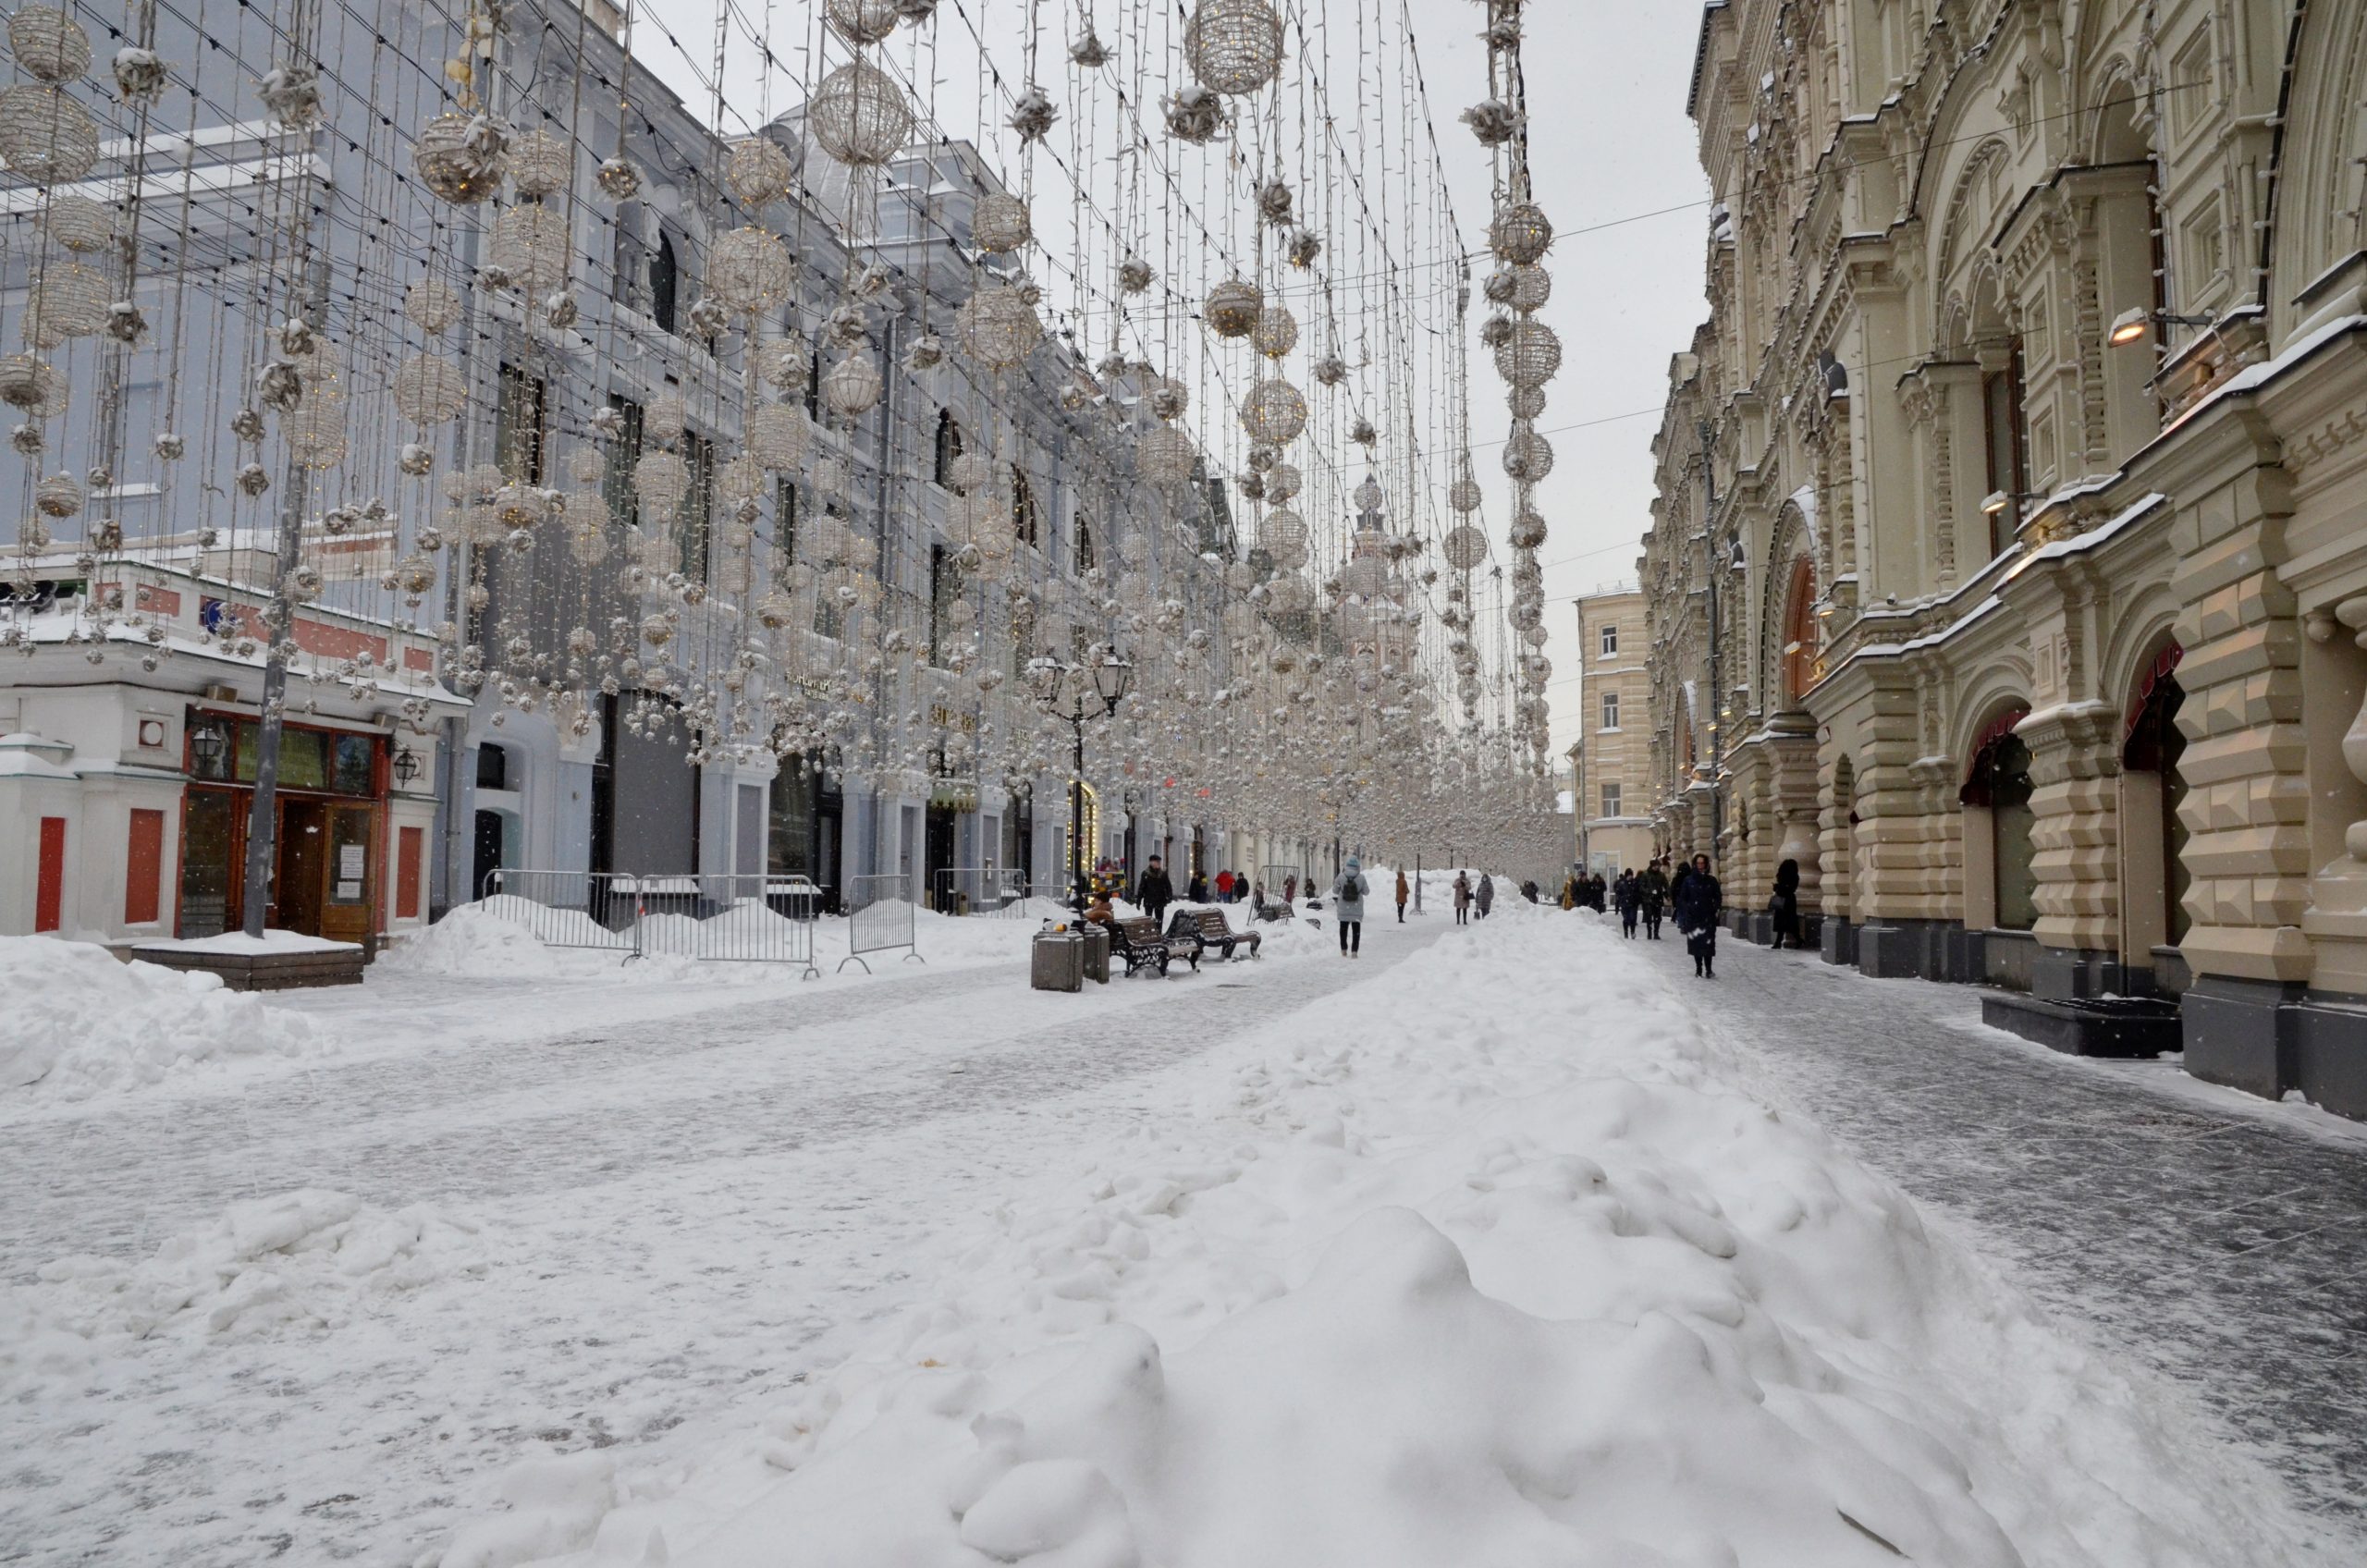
(1097, 954)
(1056, 962)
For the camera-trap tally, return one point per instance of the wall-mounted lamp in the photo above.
(206, 743)
(405, 766)
(2135, 324)
(1998, 500)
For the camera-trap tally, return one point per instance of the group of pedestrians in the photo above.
(1641, 898)
(1468, 896)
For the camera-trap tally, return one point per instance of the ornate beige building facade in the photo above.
(2009, 570)
(1611, 760)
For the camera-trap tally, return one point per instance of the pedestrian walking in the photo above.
(1155, 892)
(1463, 898)
(1197, 890)
(1627, 894)
(1256, 898)
(1348, 907)
(1529, 890)
(1655, 898)
(1785, 906)
(1224, 887)
(1570, 891)
(1290, 888)
(1698, 900)
(1485, 896)
(1403, 892)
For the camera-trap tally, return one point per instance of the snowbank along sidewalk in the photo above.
(1482, 1263)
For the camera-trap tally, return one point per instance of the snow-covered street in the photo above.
(1483, 1248)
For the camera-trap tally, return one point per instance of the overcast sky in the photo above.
(1614, 165)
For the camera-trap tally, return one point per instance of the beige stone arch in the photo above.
(1993, 794)
(1792, 545)
(2318, 209)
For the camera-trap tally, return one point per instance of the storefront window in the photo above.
(210, 834)
(353, 772)
(303, 760)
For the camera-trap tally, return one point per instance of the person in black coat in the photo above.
(1627, 893)
(1198, 891)
(1698, 900)
(1785, 906)
(1655, 894)
(1155, 892)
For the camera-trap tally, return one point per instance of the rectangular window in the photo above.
(2001, 403)
(1611, 642)
(353, 765)
(143, 869)
(49, 889)
(518, 426)
(409, 842)
(944, 589)
(698, 507)
(1084, 543)
(1611, 710)
(784, 525)
(616, 482)
(1611, 799)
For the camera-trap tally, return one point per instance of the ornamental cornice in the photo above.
(2307, 450)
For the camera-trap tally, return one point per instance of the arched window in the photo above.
(1027, 521)
(1999, 781)
(2154, 850)
(1800, 632)
(949, 445)
(665, 275)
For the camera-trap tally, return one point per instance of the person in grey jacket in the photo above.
(1348, 892)
(1487, 894)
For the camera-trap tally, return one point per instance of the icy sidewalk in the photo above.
(1482, 1263)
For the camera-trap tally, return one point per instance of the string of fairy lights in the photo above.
(1027, 333)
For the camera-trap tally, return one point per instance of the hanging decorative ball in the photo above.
(77, 223)
(982, 522)
(170, 445)
(1134, 275)
(1234, 46)
(1274, 412)
(65, 300)
(49, 45)
(529, 243)
(1528, 457)
(1252, 487)
(1276, 333)
(1165, 456)
(742, 478)
(1492, 121)
(758, 171)
(1304, 248)
(1370, 495)
(1526, 402)
(293, 94)
(1275, 203)
(1194, 113)
(1527, 531)
(461, 157)
(925, 353)
(429, 389)
(970, 471)
(996, 326)
(1168, 398)
(253, 481)
(1464, 547)
(246, 424)
(1463, 495)
(559, 309)
(139, 74)
(587, 465)
(493, 277)
(1232, 308)
(777, 436)
(660, 480)
(1000, 224)
(1531, 356)
(27, 439)
(1520, 234)
(847, 326)
(1524, 288)
(749, 270)
(618, 179)
(58, 496)
(1034, 116)
(860, 115)
(852, 388)
(1330, 369)
(125, 324)
(663, 419)
(1280, 531)
(1089, 51)
(861, 22)
(314, 434)
(540, 163)
(1362, 432)
(47, 137)
(1283, 481)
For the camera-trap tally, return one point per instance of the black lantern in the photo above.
(206, 743)
(405, 766)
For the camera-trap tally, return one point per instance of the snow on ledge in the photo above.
(238, 944)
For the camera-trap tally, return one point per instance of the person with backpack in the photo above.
(1698, 900)
(1155, 892)
(1403, 892)
(1485, 896)
(1463, 898)
(1348, 907)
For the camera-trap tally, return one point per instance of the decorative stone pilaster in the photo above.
(2075, 769)
(2336, 919)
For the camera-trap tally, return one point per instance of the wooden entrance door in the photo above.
(303, 862)
(349, 876)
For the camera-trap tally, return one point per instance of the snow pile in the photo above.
(307, 1260)
(491, 940)
(1475, 1267)
(83, 1022)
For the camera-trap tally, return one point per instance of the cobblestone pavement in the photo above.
(2221, 1240)
(690, 1213)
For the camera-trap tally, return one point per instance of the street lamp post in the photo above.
(1071, 692)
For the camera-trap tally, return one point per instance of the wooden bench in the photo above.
(1215, 933)
(1138, 943)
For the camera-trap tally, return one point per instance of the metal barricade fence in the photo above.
(717, 916)
(975, 890)
(879, 918)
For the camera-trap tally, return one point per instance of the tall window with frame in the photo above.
(1611, 642)
(784, 523)
(1610, 711)
(2001, 409)
(1611, 799)
(520, 433)
(948, 447)
(616, 483)
(664, 281)
(629, 259)
(814, 385)
(698, 507)
(1085, 557)
(829, 615)
(1026, 519)
(944, 593)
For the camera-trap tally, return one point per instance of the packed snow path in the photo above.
(2215, 1237)
(648, 1185)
